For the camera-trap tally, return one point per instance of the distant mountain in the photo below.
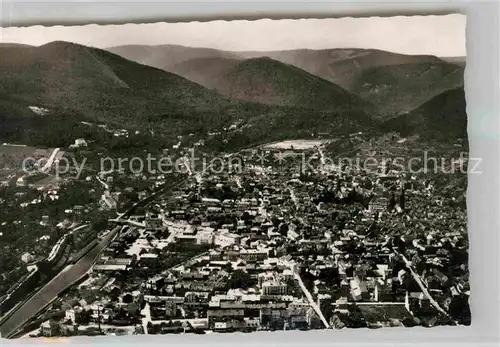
(205, 71)
(442, 117)
(339, 66)
(166, 56)
(356, 70)
(75, 82)
(461, 61)
(268, 81)
(342, 65)
(396, 89)
(11, 44)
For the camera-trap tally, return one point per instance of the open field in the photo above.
(299, 144)
(12, 156)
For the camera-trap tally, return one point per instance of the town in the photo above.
(271, 246)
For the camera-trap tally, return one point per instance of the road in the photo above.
(20, 303)
(57, 285)
(104, 184)
(147, 317)
(420, 283)
(321, 156)
(172, 235)
(50, 161)
(262, 210)
(294, 197)
(310, 299)
(297, 204)
(128, 221)
(165, 272)
(144, 201)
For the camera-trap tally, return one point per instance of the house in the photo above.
(27, 258)
(49, 328)
(79, 143)
(211, 202)
(21, 182)
(273, 287)
(225, 238)
(378, 204)
(220, 314)
(72, 315)
(358, 289)
(205, 236)
(253, 254)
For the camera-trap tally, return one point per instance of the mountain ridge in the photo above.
(442, 117)
(269, 81)
(344, 67)
(99, 86)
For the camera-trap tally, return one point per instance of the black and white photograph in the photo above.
(234, 176)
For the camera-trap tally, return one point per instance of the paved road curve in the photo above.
(51, 290)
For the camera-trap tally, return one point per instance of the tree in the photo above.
(460, 310)
(100, 224)
(356, 319)
(84, 317)
(128, 298)
(151, 328)
(228, 267)
(330, 276)
(239, 279)
(327, 308)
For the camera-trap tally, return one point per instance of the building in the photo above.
(225, 238)
(79, 143)
(153, 223)
(27, 258)
(49, 328)
(205, 236)
(358, 290)
(118, 264)
(221, 314)
(378, 204)
(72, 315)
(273, 287)
(211, 202)
(186, 239)
(253, 255)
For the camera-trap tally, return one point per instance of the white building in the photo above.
(225, 238)
(27, 258)
(273, 288)
(70, 314)
(205, 236)
(79, 143)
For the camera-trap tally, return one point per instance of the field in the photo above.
(12, 156)
(299, 144)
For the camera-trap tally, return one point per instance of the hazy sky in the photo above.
(437, 35)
